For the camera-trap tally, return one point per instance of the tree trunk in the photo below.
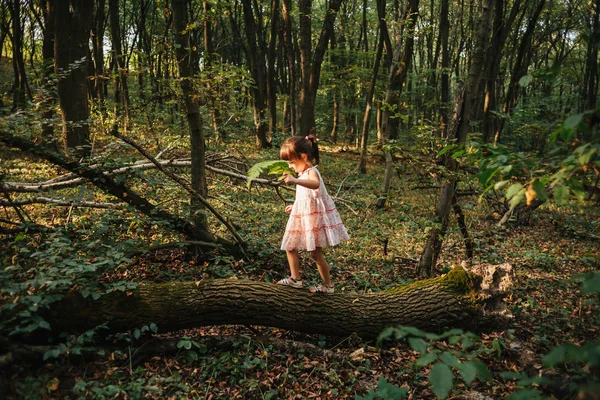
(592, 73)
(399, 72)
(271, 72)
(209, 49)
(119, 58)
(20, 87)
(311, 64)
(519, 69)
(500, 32)
(397, 77)
(445, 79)
(256, 59)
(71, 38)
(49, 101)
(182, 38)
(371, 90)
(291, 62)
(448, 301)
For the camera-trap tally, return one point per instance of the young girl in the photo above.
(314, 221)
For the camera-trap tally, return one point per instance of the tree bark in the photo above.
(520, 68)
(291, 62)
(258, 69)
(371, 90)
(435, 304)
(122, 90)
(20, 87)
(182, 38)
(311, 63)
(49, 98)
(71, 37)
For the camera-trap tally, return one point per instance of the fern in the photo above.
(272, 167)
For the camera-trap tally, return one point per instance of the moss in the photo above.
(457, 280)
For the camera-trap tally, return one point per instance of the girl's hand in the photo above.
(289, 178)
(288, 209)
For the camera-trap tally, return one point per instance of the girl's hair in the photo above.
(295, 146)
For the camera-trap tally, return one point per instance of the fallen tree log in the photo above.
(455, 299)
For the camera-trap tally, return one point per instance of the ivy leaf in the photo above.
(441, 380)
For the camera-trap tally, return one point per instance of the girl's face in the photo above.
(299, 165)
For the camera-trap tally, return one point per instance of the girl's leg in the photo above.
(294, 261)
(317, 255)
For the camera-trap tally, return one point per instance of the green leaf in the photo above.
(540, 190)
(468, 371)
(513, 190)
(591, 284)
(561, 194)
(54, 353)
(560, 354)
(449, 359)
(441, 380)
(525, 80)
(499, 185)
(417, 344)
(137, 333)
(482, 370)
(426, 359)
(273, 167)
(573, 121)
(517, 198)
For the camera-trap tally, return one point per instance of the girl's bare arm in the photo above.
(312, 182)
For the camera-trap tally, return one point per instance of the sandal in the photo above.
(323, 289)
(289, 281)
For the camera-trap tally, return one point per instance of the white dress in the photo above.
(314, 220)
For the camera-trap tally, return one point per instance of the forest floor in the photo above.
(549, 255)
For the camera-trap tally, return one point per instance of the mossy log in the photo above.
(451, 300)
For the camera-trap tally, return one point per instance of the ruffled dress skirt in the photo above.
(314, 220)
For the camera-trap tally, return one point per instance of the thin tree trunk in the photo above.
(271, 72)
(311, 63)
(48, 67)
(208, 66)
(445, 80)
(371, 90)
(500, 32)
(291, 62)
(20, 86)
(256, 59)
(397, 78)
(520, 68)
(182, 38)
(119, 58)
(592, 72)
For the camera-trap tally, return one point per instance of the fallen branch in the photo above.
(186, 186)
(62, 203)
(72, 180)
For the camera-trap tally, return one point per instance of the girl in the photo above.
(314, 221)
